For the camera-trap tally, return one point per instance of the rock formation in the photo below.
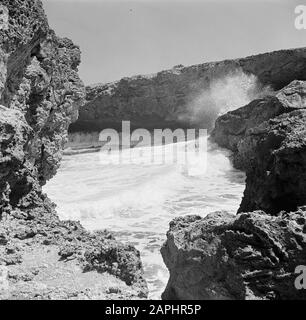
(268, 139)
(166, 99)
(40, 94)
(231, 127)
(222, 256)
(253, 255)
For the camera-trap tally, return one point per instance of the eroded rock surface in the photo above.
(180, 97)
(36, 248)
(41, 84)
(268, 139)
(249, 256)
(274, 157)
(231, 127)
(40, 94)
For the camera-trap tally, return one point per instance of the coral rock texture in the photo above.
(222, 256)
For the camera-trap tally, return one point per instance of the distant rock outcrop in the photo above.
(40, 94)
(167, 99)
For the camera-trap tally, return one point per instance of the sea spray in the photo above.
(230, 92)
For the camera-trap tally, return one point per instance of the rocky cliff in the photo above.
(184, 96)
(253, 255)
(40, 94)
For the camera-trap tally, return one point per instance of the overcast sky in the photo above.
(124, 38)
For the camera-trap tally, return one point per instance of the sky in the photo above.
(120, 38)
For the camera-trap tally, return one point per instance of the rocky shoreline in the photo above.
(253, 255)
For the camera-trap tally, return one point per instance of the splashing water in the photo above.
(137, 202)
(234, 90)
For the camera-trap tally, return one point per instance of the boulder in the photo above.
(222, 256)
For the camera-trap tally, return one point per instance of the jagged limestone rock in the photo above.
(222, 256)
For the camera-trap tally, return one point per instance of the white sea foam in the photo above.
(139, 201)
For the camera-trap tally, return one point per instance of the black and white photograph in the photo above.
(153, 150)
